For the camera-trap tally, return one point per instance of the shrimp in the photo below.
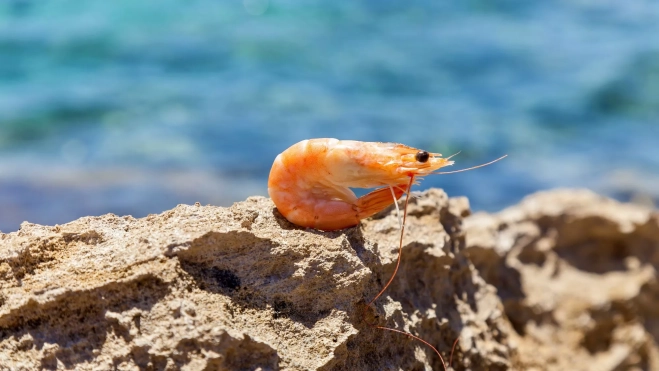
(310, 185)
(310, 181)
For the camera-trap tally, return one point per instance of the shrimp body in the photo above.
(310, 181)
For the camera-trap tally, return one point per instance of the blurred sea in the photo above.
(133, 107)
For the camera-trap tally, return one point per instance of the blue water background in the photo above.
(133, 107)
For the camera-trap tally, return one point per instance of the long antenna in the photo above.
(400, 255)
(453, 155)
(471, 168)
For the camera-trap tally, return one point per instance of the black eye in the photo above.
(422, 156)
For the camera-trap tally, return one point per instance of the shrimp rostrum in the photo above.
(310, 181)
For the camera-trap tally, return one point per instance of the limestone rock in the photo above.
(577, 276)
(565, 280)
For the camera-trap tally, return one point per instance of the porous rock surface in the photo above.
(565, 280)
(577, 276)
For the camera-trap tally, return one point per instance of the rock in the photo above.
(565, 280)
(577, 276)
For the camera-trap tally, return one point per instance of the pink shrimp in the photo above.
(310, 185)
(310, 181)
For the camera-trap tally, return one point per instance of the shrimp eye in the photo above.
(422, 156)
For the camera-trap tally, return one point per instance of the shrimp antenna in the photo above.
(453, 155)
(400, 254)
(470, 168)
(400, 221)
(400, 245)
(412, 195)
(450, 361)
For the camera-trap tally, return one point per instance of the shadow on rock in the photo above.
(282, 221)
(254, 272)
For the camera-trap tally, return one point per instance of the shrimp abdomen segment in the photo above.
(335, 214)
(332, 213)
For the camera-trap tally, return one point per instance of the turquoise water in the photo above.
(132, 107)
